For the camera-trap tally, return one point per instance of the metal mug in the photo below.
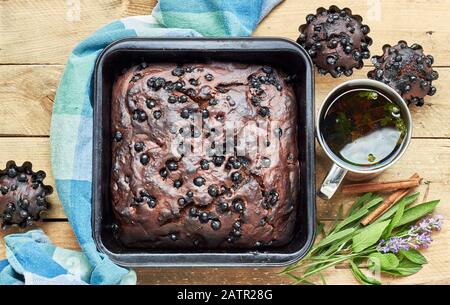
(342, 169)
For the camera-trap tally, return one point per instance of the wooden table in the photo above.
(37, 36)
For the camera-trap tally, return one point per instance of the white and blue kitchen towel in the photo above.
(31, 258)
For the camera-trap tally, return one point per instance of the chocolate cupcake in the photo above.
(22, 194)
(406, 69)
(336, 40)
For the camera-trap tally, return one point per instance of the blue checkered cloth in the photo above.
(30, 256)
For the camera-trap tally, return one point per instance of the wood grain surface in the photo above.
(28, 92)
(36, 38)
(45, 31)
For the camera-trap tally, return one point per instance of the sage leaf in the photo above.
(358, 203)
(416, 212)
(360, 276)
(405, 268)
(368, 236)
(414, 256)
(336, 247)
(360, 213)
(338, 216)
(386, 261)
(402, 230)
(370, 95)
(320, 228)
(397, 216)
(334, 237)
(408, 200)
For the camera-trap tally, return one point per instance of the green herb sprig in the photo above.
(347, 241)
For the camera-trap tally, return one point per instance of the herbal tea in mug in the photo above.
(363, 127)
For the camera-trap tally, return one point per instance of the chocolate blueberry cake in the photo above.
(204, 156)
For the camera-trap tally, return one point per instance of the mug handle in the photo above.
(331, 182)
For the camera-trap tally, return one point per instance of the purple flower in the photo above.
(418, 236)
(428, 224)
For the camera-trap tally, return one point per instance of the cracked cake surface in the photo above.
(204, 156)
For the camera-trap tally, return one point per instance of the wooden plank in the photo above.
(27, 94)
(428, 157)
(421, 22)
(424, 156)
(37, 151)
(436, 271)
(47, 31)
(62, 24)
(427, 120)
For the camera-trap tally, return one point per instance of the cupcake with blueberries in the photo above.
(336, 40)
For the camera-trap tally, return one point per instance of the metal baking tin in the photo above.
(281, 53)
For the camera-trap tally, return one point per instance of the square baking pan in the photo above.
(280, 53)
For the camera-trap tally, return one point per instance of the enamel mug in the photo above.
(342, 169)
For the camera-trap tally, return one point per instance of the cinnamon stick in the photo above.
(379, 186)
(387, 203)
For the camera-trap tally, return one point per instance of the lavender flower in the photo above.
(418, 236)
(429, 224)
